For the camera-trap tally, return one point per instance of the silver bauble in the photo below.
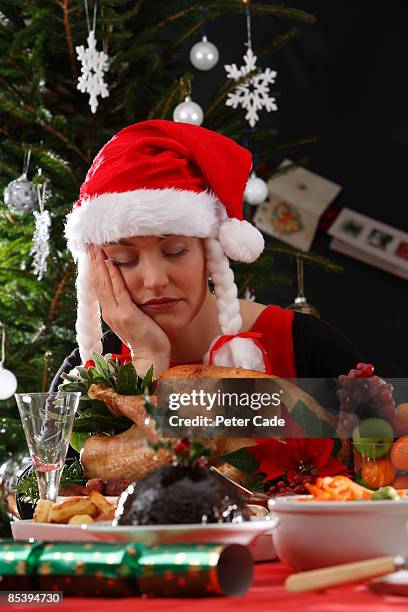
(302, 305)
(21, 196)
(204, 55)
(188, 112)
(256, 190)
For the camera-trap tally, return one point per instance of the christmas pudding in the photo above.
(175, 494)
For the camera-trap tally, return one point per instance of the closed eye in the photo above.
(181, 252)
(133, 262)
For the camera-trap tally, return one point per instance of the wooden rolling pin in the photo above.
(341, 574)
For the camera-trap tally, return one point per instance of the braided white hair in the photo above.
(239, 352)
(88, 323)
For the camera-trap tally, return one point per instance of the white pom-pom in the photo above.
(237, 353)
(241, 241)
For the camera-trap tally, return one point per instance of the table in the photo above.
(267, 594)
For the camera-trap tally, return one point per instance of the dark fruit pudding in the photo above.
(178, 494)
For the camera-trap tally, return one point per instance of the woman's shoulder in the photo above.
(262, 315)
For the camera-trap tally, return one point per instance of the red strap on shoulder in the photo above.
(275, 324)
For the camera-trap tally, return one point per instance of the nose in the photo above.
(155, 278)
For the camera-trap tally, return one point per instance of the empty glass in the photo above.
(47, 420)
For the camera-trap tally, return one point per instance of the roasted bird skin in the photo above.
(127, 455)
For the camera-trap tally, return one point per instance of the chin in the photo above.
(171, 324)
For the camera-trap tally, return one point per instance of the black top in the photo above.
(320, 350)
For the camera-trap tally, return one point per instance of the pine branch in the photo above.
(282, 11)
(308, 258)
(278, 41)
(169, 101)
(286, 146)
(64, 4)
(32, 114)
(59, 291)
(187, 34)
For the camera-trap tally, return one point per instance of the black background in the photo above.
(343, 80)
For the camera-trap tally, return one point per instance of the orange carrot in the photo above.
(337, 488)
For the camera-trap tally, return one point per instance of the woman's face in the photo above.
(163, 268)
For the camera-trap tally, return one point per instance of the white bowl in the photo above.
(312, 534)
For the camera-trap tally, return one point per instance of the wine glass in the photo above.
(47, 420)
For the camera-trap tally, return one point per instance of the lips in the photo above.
(160, 301)
(163, 304)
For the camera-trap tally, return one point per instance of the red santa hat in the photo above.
(162, 177)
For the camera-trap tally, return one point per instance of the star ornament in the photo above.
(253, 94)
(94, 65)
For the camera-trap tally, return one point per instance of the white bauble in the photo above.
(256, 190)
(8, 383)
(204, 55)
(188, 112)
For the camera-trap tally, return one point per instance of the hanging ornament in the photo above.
(249, 295)
(21, 195)
(204, 55)
(256, 190)
(8, 382)
(40, 248)
(93, 66)
(301, 304)
(253, 93)
(188, 112)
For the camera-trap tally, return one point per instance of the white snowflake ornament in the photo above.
(252, 94)
(94, 65)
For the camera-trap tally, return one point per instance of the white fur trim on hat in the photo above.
(241, 241)
(237, 353)
(143, 212)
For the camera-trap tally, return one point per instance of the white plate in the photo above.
(111, 499)
(27, 529)
(257, 534)
(226, 533)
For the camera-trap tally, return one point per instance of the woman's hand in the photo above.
(146, 340)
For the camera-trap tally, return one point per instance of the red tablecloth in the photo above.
(267, 594)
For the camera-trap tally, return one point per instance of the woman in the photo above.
(161, 210)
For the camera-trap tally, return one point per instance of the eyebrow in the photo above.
(126, 242)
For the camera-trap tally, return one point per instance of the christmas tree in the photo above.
(43, 112)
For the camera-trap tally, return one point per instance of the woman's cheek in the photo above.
(131, 281)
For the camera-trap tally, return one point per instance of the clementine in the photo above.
(400, 420)
(378, 473)
(399, 453)
(401, 482)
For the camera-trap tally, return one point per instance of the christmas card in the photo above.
(370, 241)
(295, 203)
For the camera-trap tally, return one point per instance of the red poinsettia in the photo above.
(296, 456)
(122, 360)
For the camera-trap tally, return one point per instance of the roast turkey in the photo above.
(126, 455)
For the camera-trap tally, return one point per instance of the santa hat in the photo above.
(161, 177)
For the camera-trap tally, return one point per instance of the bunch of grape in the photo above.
(363, 395)
(294, 485)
